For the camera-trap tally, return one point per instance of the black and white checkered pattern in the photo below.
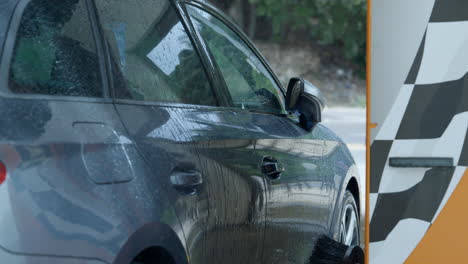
(429, 118)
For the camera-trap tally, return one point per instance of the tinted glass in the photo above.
(55, 51)
(250, 84)
(154, 59)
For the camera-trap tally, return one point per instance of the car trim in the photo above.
(97, 34)
(214, 68)
(40, 255)
(5, 30)
(216, 81)
(191, 106)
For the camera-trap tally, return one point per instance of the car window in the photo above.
(154, 59)
(250, 84)
(55, 52)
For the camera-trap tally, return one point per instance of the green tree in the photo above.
(340, 23)
(330, 22)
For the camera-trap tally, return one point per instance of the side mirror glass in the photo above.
(305, 99)
(295, 90)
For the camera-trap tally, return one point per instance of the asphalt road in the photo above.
(350, 125)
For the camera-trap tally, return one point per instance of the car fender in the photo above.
(353, 173)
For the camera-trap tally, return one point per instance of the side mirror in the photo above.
(305, 99)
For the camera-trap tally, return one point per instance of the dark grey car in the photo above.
(153, 131)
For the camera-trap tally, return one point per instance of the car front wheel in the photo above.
(349, 224)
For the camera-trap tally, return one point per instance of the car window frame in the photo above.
(206, 7)
(4, 30)
(7, 57)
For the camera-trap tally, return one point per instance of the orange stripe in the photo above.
(446, 239)
(368, 124)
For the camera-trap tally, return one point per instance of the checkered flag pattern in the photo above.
(429, 118)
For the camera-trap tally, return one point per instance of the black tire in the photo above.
(153, 257)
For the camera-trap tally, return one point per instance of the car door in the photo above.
(298, 164)
(196, 149)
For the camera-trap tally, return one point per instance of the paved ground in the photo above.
(350, 125)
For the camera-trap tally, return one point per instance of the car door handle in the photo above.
(186, 182)
(271, 168)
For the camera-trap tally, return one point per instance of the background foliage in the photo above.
(336, 23)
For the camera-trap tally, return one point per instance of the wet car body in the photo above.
(103, 177)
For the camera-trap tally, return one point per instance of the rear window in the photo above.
(55, 51)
